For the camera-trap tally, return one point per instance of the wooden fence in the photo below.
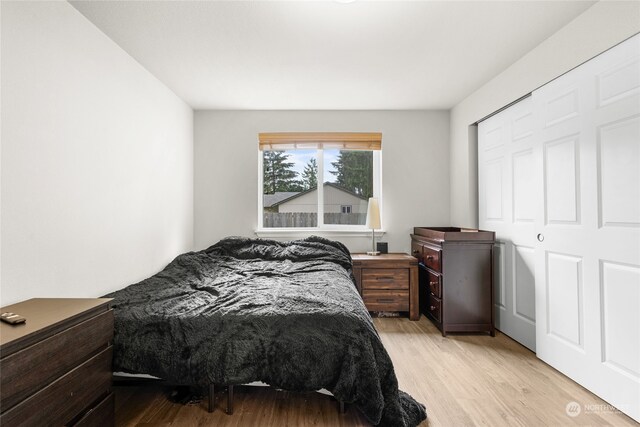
(310, 219)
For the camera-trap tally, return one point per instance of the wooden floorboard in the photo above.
(464, 380)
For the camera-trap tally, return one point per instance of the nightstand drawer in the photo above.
(385, 278)
(432, 258)
(435, 308)
(435, 284)
(386, 300)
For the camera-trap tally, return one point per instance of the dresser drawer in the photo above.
(435, 308)
(435, 284)
(386, 300)
(432, 258)
(101, 415)
(385, 278)
(28, 370)
(59, 402)
(416, 251)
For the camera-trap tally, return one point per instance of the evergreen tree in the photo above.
(310, 174)
(354, 171)
(278, 173)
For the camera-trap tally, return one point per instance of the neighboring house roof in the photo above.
(276, 199)
(269, 200)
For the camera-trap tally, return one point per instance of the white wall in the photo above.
(415, 162)
(97, 160)
(597, 29)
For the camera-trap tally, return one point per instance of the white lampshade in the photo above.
(373, 214)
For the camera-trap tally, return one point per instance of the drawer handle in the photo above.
(384, 278)
(429, 256)
(415, 251)
(433, 283)
(433, 307)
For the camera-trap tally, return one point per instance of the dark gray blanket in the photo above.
(244, 310)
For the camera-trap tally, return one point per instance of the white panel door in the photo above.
(587, 126)
(508, 192)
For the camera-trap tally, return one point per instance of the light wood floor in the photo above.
(463, 381)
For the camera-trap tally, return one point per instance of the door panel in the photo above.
(523, 186)
(507, 202)
(619, 173)
(499, 291)
(561, 186)
(588, 263)
(524, 283)
(494, 184)
(620, 317)
(565, 312)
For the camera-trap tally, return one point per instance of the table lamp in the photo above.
(373, 222)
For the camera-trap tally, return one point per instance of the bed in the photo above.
(284, 313)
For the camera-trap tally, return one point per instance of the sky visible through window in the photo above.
(301, 157)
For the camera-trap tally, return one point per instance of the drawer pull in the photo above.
(384, 278)
(433, 283)
(429, 256)
(433, 307)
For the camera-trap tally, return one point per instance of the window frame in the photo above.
(321, 228)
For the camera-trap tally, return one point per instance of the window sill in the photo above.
(301, 233)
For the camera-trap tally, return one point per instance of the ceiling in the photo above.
(329, 55)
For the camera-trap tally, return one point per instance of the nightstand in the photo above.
(388, 282)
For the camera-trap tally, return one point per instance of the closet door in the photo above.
(587, 254)
(508, 195)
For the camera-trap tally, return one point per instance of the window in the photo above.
(346, 165)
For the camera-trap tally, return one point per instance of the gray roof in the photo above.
(272, 200)
(268, 200)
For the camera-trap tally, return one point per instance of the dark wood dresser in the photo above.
(55, 369)
(388, 282)
(456, 286)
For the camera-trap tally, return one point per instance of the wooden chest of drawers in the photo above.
(56, 368)
(388, 282)
(456, 286)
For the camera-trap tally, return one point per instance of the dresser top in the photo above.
(45, 316)
(454, 234)
(383, 257)
(386, 259)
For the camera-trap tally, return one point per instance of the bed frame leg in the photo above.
(230, 399)
(341, 403)
(211, 397)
